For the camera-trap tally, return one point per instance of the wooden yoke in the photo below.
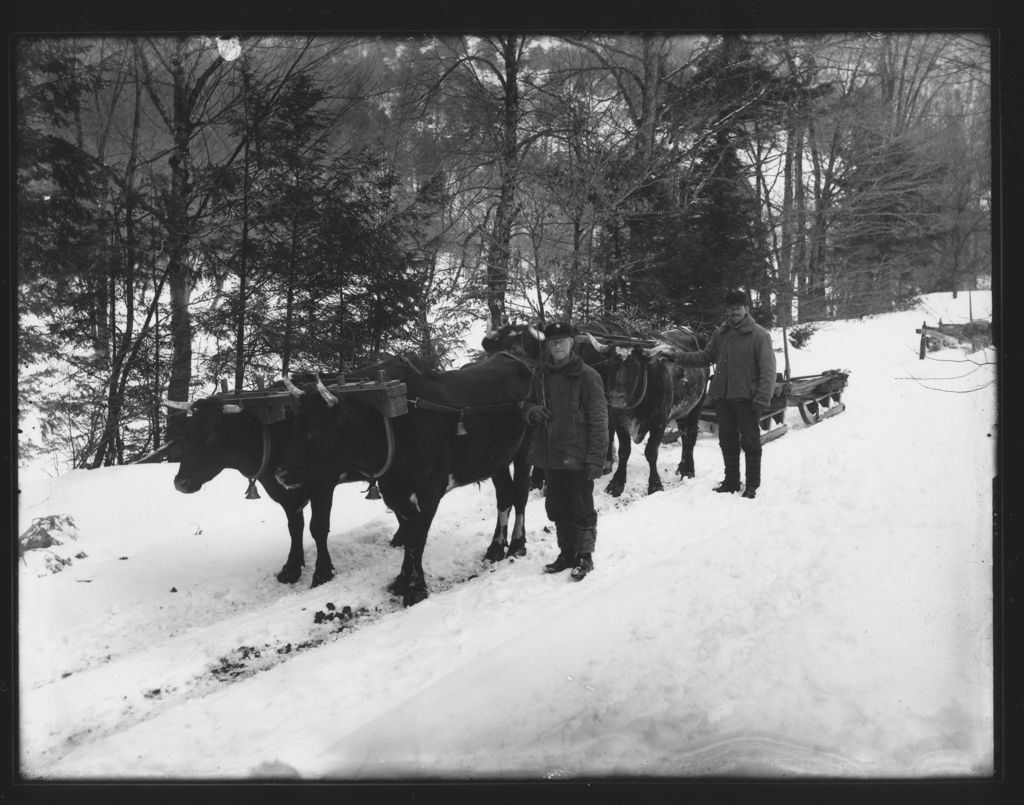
(387, 396)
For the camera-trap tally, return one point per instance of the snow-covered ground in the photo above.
(840, 625)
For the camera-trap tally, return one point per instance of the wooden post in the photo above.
(924, 338)
(785, 350)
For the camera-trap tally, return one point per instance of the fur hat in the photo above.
(559, 329)
(736, 298)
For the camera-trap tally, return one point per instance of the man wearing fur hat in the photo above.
(741, 389)
(569, 413)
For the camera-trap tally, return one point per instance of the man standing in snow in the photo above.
(741, 389)
(567, 407)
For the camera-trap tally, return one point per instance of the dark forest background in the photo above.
(192, 209)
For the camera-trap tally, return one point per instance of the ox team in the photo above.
(565, 413)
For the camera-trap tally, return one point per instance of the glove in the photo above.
(594, 471)
(537, 414)
(758, 409)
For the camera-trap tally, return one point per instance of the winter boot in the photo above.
(731, 457)
(566, 536)
(584, 564)
(563, 561)
(753, 462)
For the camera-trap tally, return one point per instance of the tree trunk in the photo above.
(180, 279)
(289, 312)
(110, 449)
(786, 245)
(799, 217)
(499, 252)
(243, 271)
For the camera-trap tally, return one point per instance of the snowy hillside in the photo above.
(838, 625)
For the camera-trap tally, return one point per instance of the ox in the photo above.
(646, 390)
(462, 427)
(219, 436)
(596, 355)
(512, 489)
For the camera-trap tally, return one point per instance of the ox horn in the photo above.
(231, 408)
(294, 390)
(180, 406)
(650, 352)
(329, 398)
(597, 344)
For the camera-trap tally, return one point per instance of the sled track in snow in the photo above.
(329, 622)
(338, 622)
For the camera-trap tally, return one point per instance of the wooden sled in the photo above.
(817, 397)
(977, 333)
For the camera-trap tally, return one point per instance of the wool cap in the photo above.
(736, 298)
(559, 329)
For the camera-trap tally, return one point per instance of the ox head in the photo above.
(622, 368)
(215, 436)
(522, 340)
(626, 376)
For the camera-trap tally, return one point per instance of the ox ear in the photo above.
(231, 408)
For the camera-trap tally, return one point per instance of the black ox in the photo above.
(645, 391)
(219, 435)
(462, 427)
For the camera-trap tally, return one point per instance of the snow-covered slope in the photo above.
(838, 625)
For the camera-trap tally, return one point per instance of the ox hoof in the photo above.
(614, 488)
(683, 472)
(322, 577)
(397, 541)
(414, 596)
(289, 575)
(495, 553)
(652, 489)
(399, 586)
(517, 548)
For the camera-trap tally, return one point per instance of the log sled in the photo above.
(816, 397)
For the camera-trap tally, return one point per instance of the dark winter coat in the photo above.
(576, 435)
(744, 362)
